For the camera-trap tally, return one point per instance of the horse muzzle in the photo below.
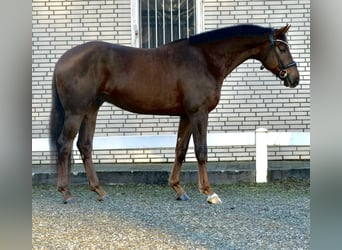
(290, 81)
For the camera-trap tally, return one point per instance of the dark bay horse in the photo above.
(182, 78)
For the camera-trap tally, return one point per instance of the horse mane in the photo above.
(229, 32)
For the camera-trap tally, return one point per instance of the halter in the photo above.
(282, 72)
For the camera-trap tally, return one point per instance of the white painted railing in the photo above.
(261, 138)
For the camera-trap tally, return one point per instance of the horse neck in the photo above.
(224, 56)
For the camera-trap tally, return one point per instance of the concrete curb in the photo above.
(218, 172)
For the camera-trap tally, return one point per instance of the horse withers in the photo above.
(182, 78)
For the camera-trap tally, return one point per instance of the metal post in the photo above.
(261, 155)
(156, 21)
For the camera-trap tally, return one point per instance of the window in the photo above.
(161, 21)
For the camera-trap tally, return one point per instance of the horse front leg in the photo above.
(199, 122)
(183, 137)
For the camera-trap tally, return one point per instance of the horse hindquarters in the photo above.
(64, 126)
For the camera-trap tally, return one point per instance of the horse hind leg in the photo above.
(64, 146)
(183, 137)
(84, 144)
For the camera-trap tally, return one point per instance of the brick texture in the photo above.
(250, 98)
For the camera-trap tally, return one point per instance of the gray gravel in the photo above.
(252, 216)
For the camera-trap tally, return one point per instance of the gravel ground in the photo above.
(252, 216)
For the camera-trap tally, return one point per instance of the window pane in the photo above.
(163, 21)
(160, 24)
(167, 17)
(152, 23)
(183, 19)
(192, 17)
(144, 23)
(175, 19)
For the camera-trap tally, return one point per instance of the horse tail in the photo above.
(57, 117)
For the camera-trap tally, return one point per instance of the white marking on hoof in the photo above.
(214, 199)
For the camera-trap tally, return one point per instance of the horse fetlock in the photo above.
(63, 189)
(174, 184)
(204, 189)
(98, 189)
(67, 196)
(180, 193)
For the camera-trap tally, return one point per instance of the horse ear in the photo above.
(283, 30)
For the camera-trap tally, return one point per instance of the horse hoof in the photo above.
(105, 198)
(183, 197)
(70, 200)
(214, 199)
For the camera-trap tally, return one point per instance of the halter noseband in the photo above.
(282, 72)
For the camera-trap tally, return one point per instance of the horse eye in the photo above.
(282, 49)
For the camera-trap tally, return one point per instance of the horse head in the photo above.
(278, 59)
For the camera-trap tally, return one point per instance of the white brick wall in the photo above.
(250, 98)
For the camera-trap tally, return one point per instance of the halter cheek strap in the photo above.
(282, 72)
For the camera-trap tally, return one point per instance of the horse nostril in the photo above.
(294, 83)
(283, 74)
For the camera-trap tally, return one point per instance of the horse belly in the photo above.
(144, 81)
(147, 99)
